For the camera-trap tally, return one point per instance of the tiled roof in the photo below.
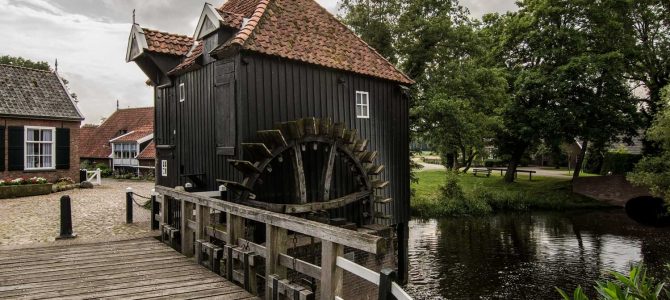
(231, 19)
(34, 93)
(134, 135)
(303, 30)
(149, 152)
(190, 62)
(94, 142)
(167, 43)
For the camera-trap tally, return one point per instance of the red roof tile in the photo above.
(149, 152)
(230, 19)
(191, 61)
(167, 43)
(94, 141)
(303, 30)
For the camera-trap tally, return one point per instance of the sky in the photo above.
(89, 39)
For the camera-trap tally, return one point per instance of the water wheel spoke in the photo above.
(335, 203)
(246, 167)
(379, 184)
(299, 174)
(360, 146)
(311, 126)
(273, 138)
(328, 172)
(383, 200)
(258, 151)
(375, 170)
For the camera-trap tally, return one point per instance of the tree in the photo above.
(22, 62)
(374, 21)
(653, 171)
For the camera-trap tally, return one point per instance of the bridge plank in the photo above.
(111, 270)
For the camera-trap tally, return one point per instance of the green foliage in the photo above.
(618, 163)
(489, 163)
(26, 63)
(435, 197)
(634, 286)
(654, 171)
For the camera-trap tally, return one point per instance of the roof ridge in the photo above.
(26, 68)
(362, 40)
(243, 35)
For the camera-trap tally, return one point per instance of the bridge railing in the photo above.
(193, 223)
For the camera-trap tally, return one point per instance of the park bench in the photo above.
(530, 172)
(484, 171)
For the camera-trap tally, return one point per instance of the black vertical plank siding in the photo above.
(271, 90)
(15, 148)
(62, 148)
(2, 149)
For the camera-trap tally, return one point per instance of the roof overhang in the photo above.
(210, 21)
(136, 39)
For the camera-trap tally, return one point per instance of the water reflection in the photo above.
(524, 255)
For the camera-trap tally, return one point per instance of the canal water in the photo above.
(526, 255)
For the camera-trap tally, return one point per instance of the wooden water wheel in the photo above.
(300, 166)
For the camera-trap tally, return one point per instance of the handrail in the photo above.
(371, 276)
(353, 239)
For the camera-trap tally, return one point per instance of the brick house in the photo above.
(39, 125)
(123, 142)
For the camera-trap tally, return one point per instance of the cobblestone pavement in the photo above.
(98, 214)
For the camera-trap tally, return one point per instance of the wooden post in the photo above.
(386, 277)
(235, 228)
(164, 209)
(331, 275)
(275, 244)
(129, 205)
(201, 220)
(402, 231)
(155, 209)
(186, 232)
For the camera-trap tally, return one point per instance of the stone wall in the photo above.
(615, 190)
(50, 175)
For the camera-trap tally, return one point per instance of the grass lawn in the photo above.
(484, 195)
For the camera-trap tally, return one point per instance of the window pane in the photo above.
(359, 111)
(46, 161)
(33, 162)
(46, 149)
(30, 135)
(46, 136)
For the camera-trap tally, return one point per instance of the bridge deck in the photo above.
(135, 269)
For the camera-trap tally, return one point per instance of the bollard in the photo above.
(129, 205)
(155, 209)
(65, 219)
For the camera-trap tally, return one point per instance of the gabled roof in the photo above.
(149, 152)
(30, 93)
(190, 62)
(167, 43)
(138, 136)
(94, 141)
(303, 30)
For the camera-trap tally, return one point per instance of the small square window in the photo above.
(164, 168)
(362, 105)
(182, 93)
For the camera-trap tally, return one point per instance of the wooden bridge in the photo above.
(136, 269)
(148, 268)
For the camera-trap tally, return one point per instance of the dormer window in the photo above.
(182, 93)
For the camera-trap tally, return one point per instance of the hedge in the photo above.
(619, 163)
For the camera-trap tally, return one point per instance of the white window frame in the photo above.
(25, 147)
(164, 168)
(182, 92)
(364, 105)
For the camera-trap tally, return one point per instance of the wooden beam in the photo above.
(327, 176)
(246, 167)
(316, 206)
(361, 145)
(331, 274)
(299, 174)
(233, 185)
(258, 151)
(235, 227)
(275, 244)
(357, 240)
(311, 126)
(274, 138)
(326, 126)
(186, 231)
(375, 170)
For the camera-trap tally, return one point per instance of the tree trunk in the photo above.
(468, 163)
(514, 163)
(580, 160)
(449, 164)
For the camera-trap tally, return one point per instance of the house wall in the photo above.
(51, 175)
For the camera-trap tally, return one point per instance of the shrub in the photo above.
(619, 163)
(23, 181)
(105, 171)
(635, 285)
(490, 163)
(453, 201)
(593, 162)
